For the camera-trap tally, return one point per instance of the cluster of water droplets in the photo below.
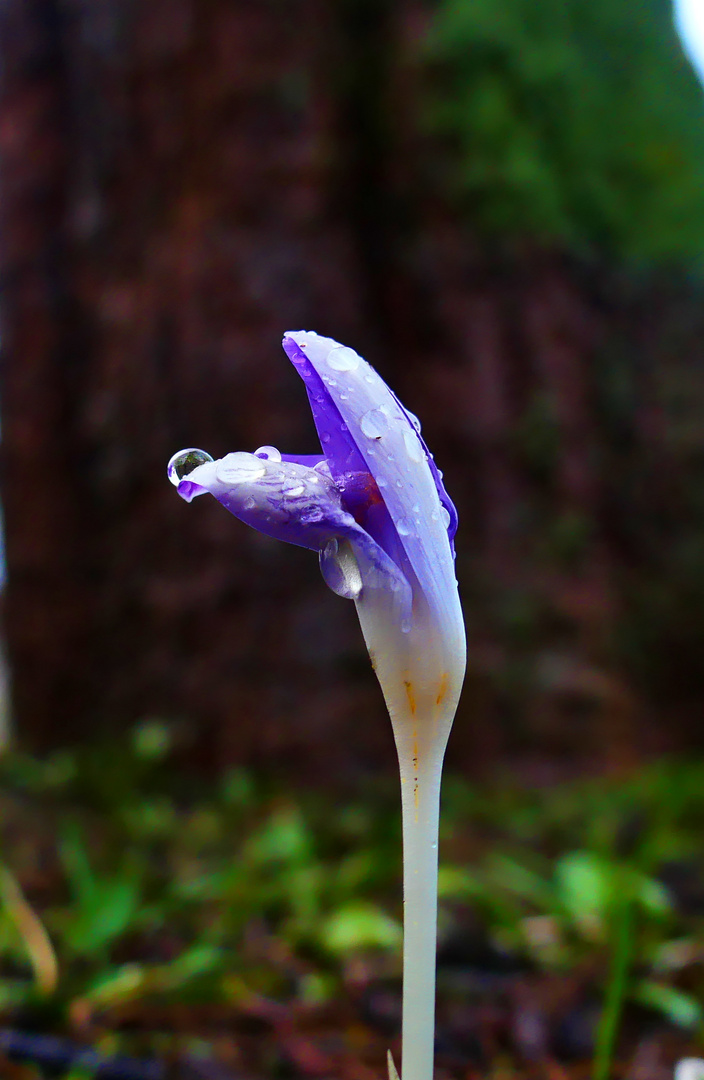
(378, 422)
(376, 425)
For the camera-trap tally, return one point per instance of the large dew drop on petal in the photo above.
(414, 420)
(270, 453)
(342, 358)
(414, 447)
(374, 424)
(240, 468)
(340, 569)
(184, 462)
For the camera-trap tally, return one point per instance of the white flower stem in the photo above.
(420, 800)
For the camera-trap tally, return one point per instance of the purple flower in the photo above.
(373, 505)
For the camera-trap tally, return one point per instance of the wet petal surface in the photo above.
(303, 506)
(387, 444)
(373, 505)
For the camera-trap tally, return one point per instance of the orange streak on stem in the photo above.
(412, 704)
(443, 689)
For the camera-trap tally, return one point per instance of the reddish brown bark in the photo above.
(181, 182)
(167, 173)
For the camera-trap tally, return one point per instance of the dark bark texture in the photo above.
(181, 182)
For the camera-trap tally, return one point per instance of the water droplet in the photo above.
(270, 453)
(294, 491)
(342, 358)
(344, 397)
(445, 515)
(406, 625)
(240, 468)
(403, 527)
(340, 569)
(369, 378)
(399, 483)
(414, 420)
(184, 462)
(249, 503)
(416, 509)
(381, 483)
(413, 446)
(374, 424)
(325, 437)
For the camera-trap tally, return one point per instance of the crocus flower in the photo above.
(373, 505)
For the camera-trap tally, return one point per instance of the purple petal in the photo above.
(338, 444)
(348, 391)
(302, 506)
(283, 499)
(445, 499)
(327, 392)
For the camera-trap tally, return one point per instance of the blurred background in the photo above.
(501, 205)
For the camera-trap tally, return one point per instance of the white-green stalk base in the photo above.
(420, 797)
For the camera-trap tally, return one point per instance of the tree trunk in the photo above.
(167, 212)
(181, 182)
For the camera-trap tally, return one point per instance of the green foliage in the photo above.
(577, 121)
(156, 887)
(358, 926)
(578, 874)
(234, 891)
(102, 907)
